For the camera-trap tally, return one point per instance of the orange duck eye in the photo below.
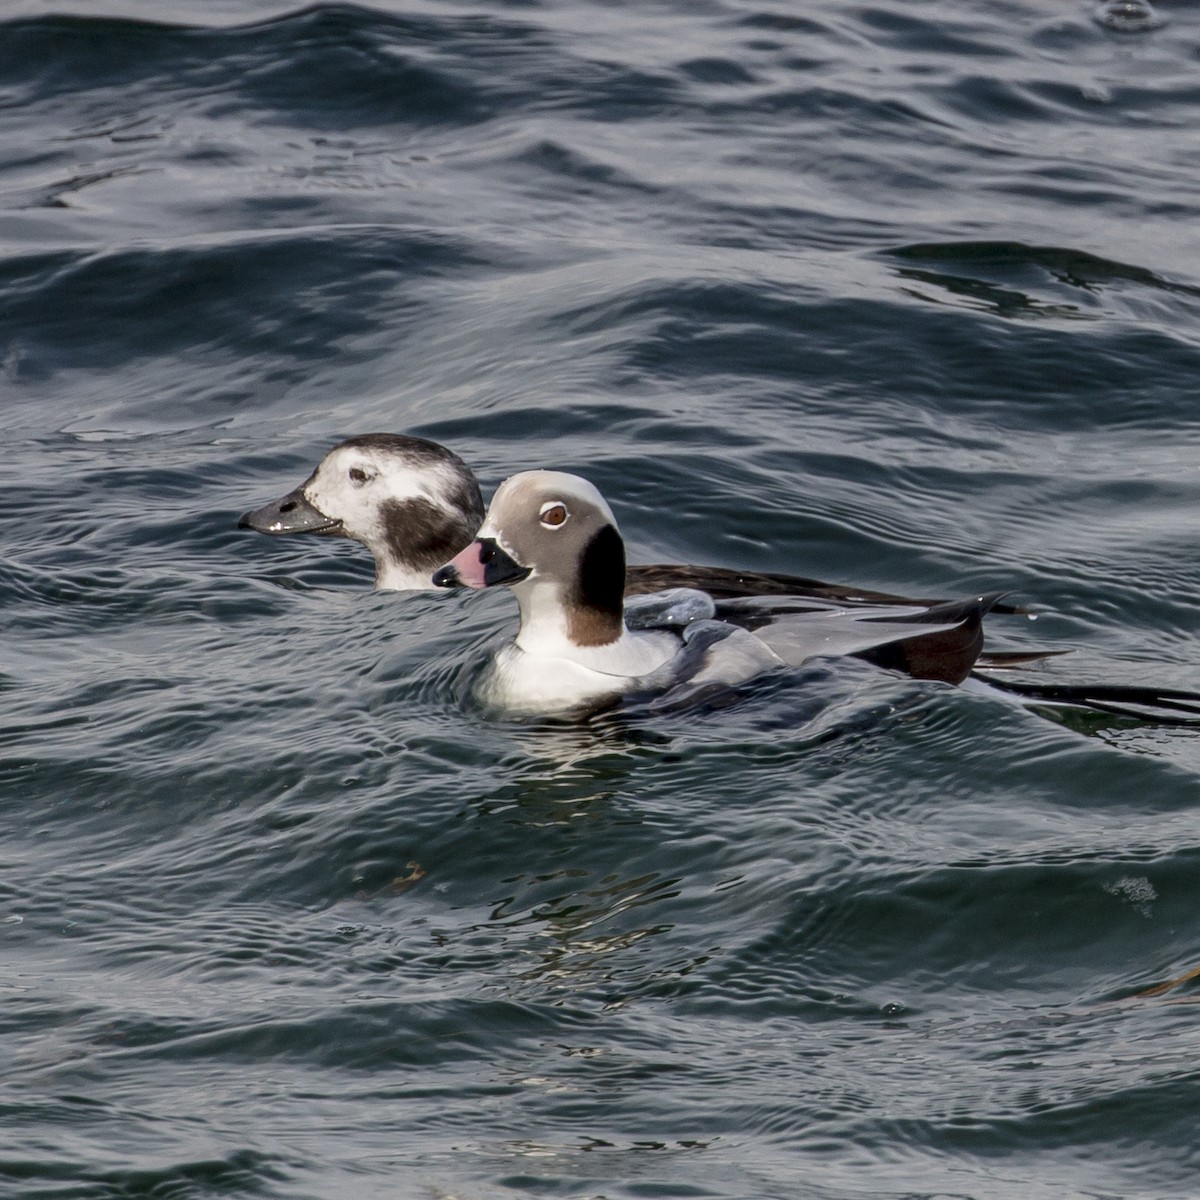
(553, 514)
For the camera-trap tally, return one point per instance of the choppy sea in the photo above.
(903, 295)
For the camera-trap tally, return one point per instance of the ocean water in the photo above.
(903, 295)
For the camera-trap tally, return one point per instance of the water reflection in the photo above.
(576, 945)
(990, 297)
(1004, 277)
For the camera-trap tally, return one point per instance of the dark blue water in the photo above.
(906, 296)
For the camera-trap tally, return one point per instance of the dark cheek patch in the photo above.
(422, 534)
(594, 610)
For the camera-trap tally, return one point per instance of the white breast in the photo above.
(524, 682)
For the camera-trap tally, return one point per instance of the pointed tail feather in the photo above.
(1162, 706)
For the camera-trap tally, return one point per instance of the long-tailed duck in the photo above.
(415, 504)
(552, 538)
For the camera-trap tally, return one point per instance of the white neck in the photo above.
(398, 577)
(544, 634)
(544, 619)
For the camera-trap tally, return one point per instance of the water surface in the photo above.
(895, 295)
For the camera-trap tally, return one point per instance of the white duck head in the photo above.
(410, 501)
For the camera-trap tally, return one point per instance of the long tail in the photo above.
(1161, 706)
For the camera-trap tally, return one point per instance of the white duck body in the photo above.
(552, 538)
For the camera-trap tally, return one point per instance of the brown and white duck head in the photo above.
(410, 501)
(552, 538)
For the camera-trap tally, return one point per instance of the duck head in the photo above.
(552, 538)
(411, 502)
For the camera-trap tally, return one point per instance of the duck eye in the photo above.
(357, 476)
(553, 514)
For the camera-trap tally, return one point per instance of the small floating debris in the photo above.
(1128, 16)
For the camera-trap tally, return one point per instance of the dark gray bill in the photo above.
(292, 514)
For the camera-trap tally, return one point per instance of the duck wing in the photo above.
(724, 583)
(726, 642)
(936, 641)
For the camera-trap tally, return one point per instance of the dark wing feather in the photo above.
(723, 583)
(947, 652)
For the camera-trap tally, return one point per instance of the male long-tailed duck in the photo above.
(552, 538)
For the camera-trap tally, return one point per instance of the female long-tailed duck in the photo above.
(411, 502)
